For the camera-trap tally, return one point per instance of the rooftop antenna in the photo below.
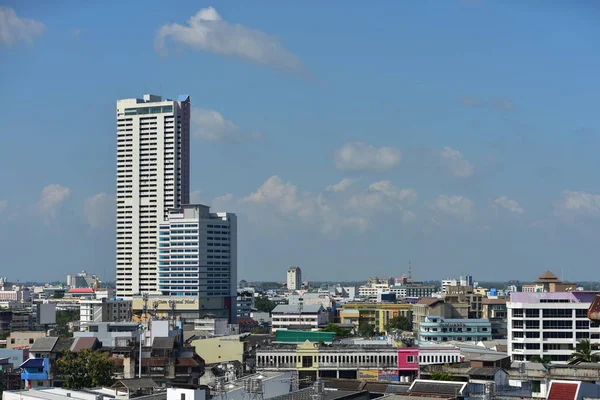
(409, 270)
(145, 298)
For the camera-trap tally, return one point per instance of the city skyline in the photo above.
(464, 147)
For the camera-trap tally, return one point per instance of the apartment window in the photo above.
(582, 325)
(518, 312)
(532, 313)
(532, 346)
(558, 335)
(518, 334)
(557, 313)
(532, 335)
(558, 324)
(535, 324)
(581, 313)
(517, 324)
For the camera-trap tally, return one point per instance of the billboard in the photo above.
(161, 303)
(388, 375)
(367, 375)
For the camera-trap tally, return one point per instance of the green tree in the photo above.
(398, 323)
(85, 369)
(257, 331)
(441, 376)
(263, 304)
(62, 321)
(585, 351)
(340, 332)
(365, 329)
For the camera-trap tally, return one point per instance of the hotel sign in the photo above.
(161, 303)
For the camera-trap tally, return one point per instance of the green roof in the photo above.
(302, 336)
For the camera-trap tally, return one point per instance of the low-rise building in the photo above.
(451, 305)
(438, 329)
(313, 361)
(221, 349)
(413, 290)
(109, 332)
(24, 339)
(310, 316)
(104, 310)
(411, 359)
(549, 324)
(376, 314)
(213, 327)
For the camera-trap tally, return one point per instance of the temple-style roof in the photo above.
(548, 277)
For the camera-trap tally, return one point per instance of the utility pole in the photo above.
(141, 326)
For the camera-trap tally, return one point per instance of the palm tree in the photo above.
(584, 351)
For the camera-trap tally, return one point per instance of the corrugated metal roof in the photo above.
(163, 343)
(33, 363)
(43, 344)
(83, 343)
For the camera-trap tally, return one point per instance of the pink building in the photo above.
(410, 359)
(408, 363)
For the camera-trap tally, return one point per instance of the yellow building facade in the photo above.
(376, 314)
(220, 349)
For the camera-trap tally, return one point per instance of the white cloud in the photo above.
(3, 205)
(195, 197)
(210, 125)
(283, 197)
(51, 198)
(99, 210)
(341, 185)
(14, 29)
(387, 188)
(281, 203)
(582, 204)
(359, 156)
(225, 203)
(453, 162)
(458, 206)
(207, 31)
(510, 205)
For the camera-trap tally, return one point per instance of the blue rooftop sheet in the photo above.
(33, 363)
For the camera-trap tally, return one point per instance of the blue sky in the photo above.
(350, 138)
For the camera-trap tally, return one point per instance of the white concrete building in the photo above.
(197, 256)
(311, 299)
(373, 290)
(104, 310)
(549, 324)
(311, 316)
(294, 278)
(212, 327)
(152, 177)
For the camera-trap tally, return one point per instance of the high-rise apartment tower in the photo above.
(153, 173)
(294, 278)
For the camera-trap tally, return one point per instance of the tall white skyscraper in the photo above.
(153, 172)
(197, 256)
